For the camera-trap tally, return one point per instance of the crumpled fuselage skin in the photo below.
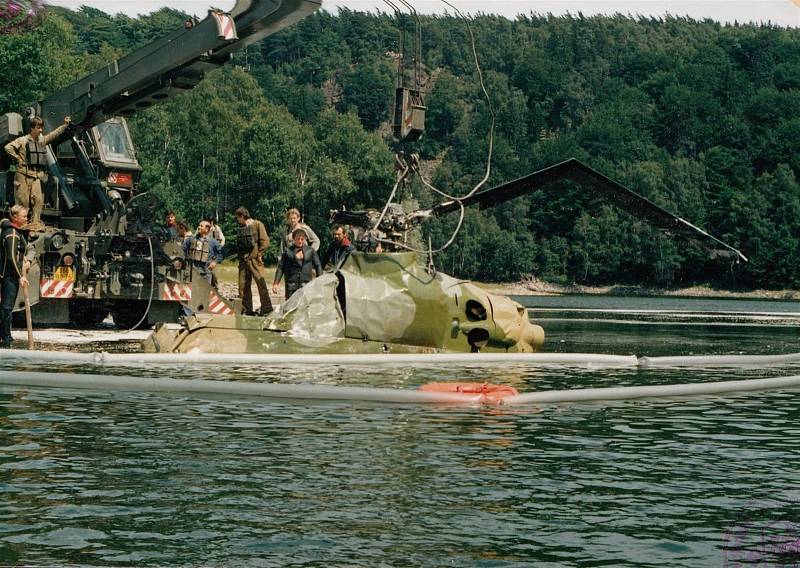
(374, 303)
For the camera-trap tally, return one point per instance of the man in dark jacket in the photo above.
(16, 256)
(339, 249)
(296, 263)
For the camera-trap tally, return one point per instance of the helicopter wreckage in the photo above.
(379, 302)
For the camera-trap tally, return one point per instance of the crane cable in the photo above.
(480, 184)
(152, 285)
(401, 46)
(417, 44)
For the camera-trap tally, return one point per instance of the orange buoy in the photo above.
(491, 394)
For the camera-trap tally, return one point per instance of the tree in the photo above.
(696, 116)
(35, 63)
(367, 159)
(368, 91)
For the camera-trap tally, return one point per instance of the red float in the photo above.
(491, 394)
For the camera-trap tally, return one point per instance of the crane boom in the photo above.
(170, 65)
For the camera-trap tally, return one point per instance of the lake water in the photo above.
(97, 478)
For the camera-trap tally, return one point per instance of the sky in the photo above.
(781, 12)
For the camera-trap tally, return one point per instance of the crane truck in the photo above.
(101, 250)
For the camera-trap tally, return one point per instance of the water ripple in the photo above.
(101, 478)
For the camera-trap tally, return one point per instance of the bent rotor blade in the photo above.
(627, 200)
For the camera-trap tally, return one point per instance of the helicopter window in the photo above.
(475, 311)
(477, 338)
(114, 141)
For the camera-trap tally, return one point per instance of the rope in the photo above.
(152, 286)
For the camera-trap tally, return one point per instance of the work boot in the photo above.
(5, 328)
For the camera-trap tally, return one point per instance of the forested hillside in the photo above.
(700, 118)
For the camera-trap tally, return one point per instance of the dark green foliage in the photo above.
(368, 90)
(698, 117)
(35, 63)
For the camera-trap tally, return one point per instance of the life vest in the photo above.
(35, 154)
(246, 237)
(199, 250)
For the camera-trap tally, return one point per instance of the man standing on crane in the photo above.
(30, 154)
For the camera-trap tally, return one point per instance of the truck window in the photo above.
(114, 141)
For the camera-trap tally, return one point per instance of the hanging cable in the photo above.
(485, 178)
(488, 104)
(417, 46)
(152, 285)
(400, 179)
(401, 46)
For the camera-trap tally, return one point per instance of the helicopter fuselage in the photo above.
(373, 303)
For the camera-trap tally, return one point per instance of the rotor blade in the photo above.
(619, 195)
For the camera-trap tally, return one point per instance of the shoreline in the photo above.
(535, 287)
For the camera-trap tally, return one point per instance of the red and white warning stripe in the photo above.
(226, 29)
(177, 292)
(218, 306)
(56, 288)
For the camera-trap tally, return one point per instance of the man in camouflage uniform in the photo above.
(30, 154)
(16, 255)
(251, 243)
